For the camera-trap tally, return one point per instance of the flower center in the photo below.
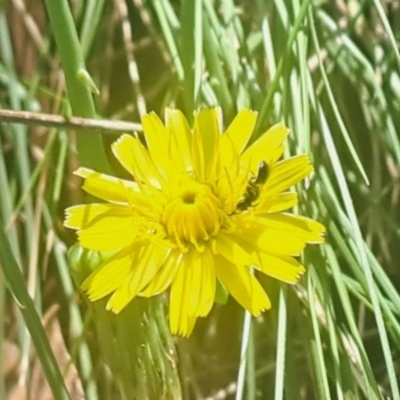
(192, 216)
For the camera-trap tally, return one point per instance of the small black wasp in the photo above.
(253, 188)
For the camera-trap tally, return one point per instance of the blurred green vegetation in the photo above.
(330, 70)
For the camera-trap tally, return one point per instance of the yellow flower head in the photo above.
(202, 206)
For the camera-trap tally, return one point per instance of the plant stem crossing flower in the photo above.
(202, 207)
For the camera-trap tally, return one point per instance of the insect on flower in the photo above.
(253, 188)
(202, 207)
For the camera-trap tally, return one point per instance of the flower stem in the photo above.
(141, 359)
(135, 344)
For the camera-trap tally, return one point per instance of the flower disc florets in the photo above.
(193, 216)
(202, 207)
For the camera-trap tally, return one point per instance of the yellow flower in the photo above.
(202, 206)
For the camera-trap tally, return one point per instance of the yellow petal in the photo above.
(276, 202)
(165, 275)
(191, 269)
(205, 144)
(146, 261)
(228, 154)
(205, 285)
(283, 268)
(230, 249)
(109, 276)
(287, 173)
(103, 226)
(302, 228)
(180, 324)
(83, 216)
(181, 135)
(99, 236)
(180, 321)
(278, 242)
(106, 187)
(178, 315)
(195, 283)
(231, 182)
(123, 150)
(242, 285)
(135, 158)
(240, 130)
(159, 143)
(253, 235)
(269, 148)
(121, 297)
(121, 191)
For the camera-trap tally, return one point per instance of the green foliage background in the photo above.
(330, 71)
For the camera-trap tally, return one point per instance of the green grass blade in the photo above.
(241, 378)
(91, 149)
(281, 345)
(15, 280)
(191, 50)
(333, 103)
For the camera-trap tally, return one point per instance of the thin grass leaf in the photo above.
(316, 346)
(241, 377)
(275, 81)
(15, 280)
(281, 346)
(191, 50)
(388, 29)
(90, 23)
(333, 103)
